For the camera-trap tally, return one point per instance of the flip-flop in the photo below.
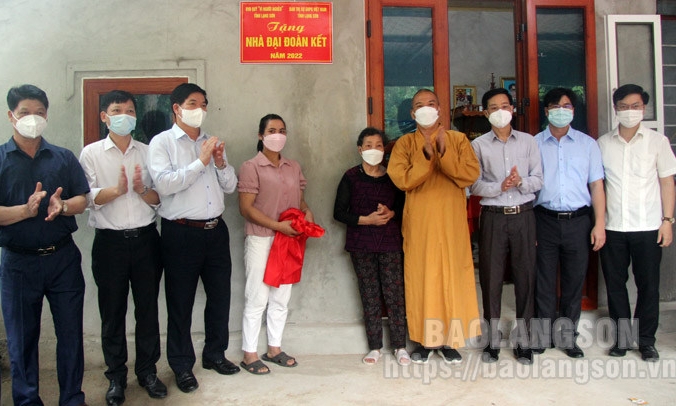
(280, 359)
(255, 367)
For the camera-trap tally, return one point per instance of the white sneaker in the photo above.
(402, 356)
(372, 357)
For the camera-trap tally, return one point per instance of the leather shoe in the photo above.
(649, 353)
(115, 393)
(541, 350)
(490, 355)
(156, 388)
(574, 352)
(186, 381)
(617, 351)
(523, 355)
(222, 366)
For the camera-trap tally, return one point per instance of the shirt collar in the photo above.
(262, 160)
(44, 145)
(571, 134)
(639, 133)
(108, 143)
(495, 136)
(178, 132)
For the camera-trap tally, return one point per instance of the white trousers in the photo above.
(258, 295)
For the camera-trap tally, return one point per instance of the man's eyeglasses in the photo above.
(558, 106)
(635, 106)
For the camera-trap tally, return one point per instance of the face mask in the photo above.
(630, 118)
(560, 117)
(274, 142)
(373, 156)
(30, 126)
(500, 118)
(426, 116)
(193, 118)
(122, 124)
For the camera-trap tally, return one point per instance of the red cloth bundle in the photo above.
(285, 261)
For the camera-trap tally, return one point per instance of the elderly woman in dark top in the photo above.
(370, 205)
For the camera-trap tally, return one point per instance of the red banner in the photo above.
(286, 32)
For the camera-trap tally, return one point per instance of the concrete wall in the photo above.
(54, 44)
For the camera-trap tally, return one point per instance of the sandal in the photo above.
(372, 357)
(280, 359)
(402, 356)
(257, 367)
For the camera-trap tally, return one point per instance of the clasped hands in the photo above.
(213, 148)
(438, 135)
(381, 216)
(512, 180)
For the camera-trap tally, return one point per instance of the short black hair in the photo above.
(494, 92)
(369, 131)
(183, 91)
(264, 123)
(553, 96)
(625, 90)
(116, 96)
(23, 92)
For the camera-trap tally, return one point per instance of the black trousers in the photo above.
(641, 249)
(190, 254)
(501, 235)
(117, 264)
(562, 242)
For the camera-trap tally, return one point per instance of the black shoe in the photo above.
(420, 355)
(490, 355)
(523, 355)
(617, 351)
(156, 389)
(574, 352)
(186, 381)
(649, 353)
(541, 350)
(450, 355)
(115, 394)
(222, 366)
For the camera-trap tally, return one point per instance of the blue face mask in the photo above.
(122, 124)
(560, 117)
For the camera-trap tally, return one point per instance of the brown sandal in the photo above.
(257, 367)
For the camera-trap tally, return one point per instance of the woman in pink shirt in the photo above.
(268, 185)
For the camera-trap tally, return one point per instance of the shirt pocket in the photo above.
(643, 165)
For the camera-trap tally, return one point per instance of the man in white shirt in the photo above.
(191, 174)
(639, 166)
(126, 248)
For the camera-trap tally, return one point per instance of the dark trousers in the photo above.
(501, 235)
(565, 242)
(190, 254)
(381, 276)
(117, 263)
(26, 281)
(645, 254)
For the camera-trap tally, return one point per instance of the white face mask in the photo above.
(630, 118)
(373, 156)
(122, 124)
(30, 126)
(500, 118)
(426, 116)
(193, 118)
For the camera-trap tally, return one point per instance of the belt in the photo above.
(48, 250)
(204, 224)
(128, 233)
(565, 215)
(508, 209)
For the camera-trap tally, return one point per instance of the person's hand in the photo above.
(137, 180)
(512, 180)
(207, 150)
(598, 237)
(441, 140)
(122, 183)
(285, 228)
(384, 210)
(33, 203)
(55, 205)
(218, 154)
(309, 216)
(665, 234)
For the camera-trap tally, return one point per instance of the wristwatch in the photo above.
(669, 219)
(64, 207)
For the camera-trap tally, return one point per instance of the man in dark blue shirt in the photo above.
(41, 187)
